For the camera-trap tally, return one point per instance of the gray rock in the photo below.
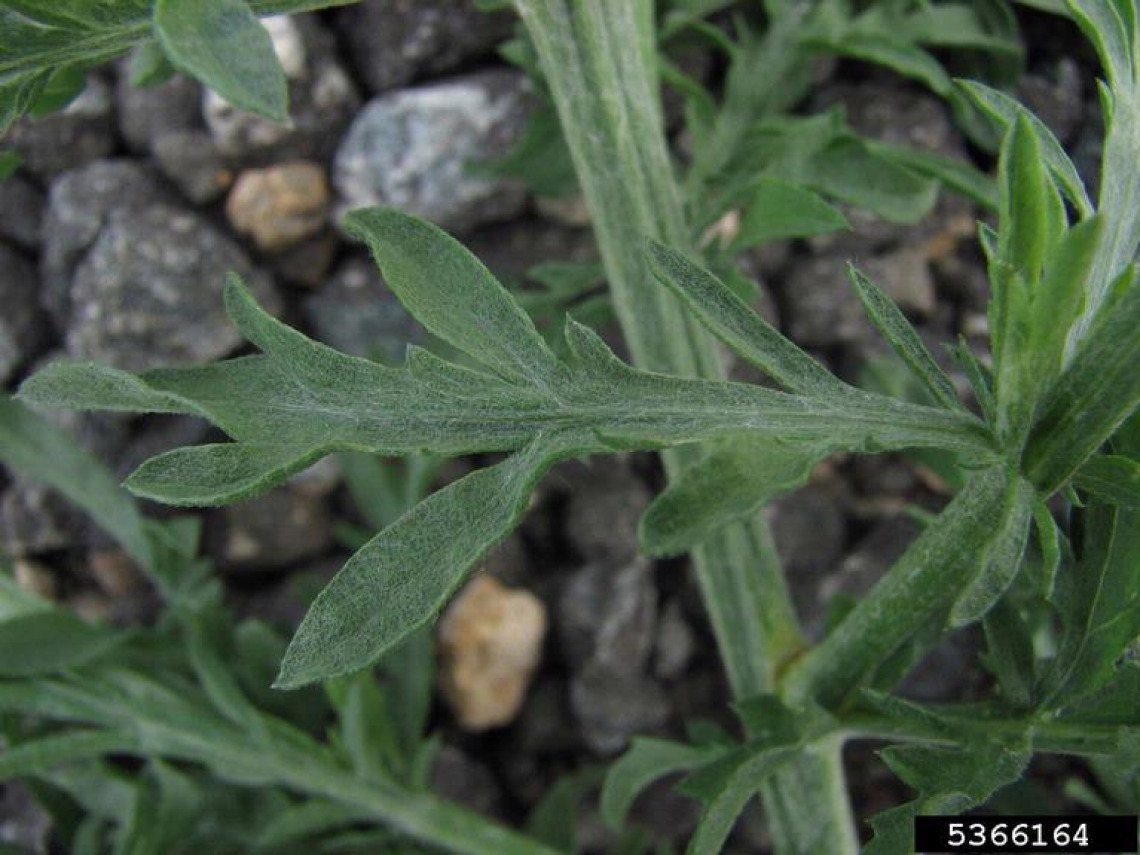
(35, 519)
(393, 42)
(821, 307)
(809, 529)
(356, 312)
(276, 530)
(1056, 96)
(464, 780)
(21, 212)
(412, 150)
(193, 164)
(24, 825)
(511, 248)
(905, 275)
(606, 502)
(23, 326)
(79, 204)
(149, 291)
(606, 621)
(612, 707)
(322, 99)
(949, 673)
(873, 108)
(146, 115)
(83, 132)
(608, 615)
(675, 643)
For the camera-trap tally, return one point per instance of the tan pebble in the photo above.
(566, 210)
(281, 205)
(92, 607)
(114, 571)
(36, 578)
(490, 642)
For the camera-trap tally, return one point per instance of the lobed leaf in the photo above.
(453, 294)
(732, 481)
(948, 780)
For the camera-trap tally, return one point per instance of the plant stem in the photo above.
(599, 62)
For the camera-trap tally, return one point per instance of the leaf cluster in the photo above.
(320, 770)
(48, 46)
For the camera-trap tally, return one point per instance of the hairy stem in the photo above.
(597, 57)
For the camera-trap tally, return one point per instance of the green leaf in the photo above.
(49, 641)
(27, 758)
(780, 210)
(1092, 398)
(889, 51)
(948, 781)
(38, 450)
(979, 377)
(918, 591)
(738, 326)
(852, 171)
(222, 43)
(646, 761)
(401, 579)
(1028, 222)
(302, 400)
(149, 66)
(732, 481)
(453, 295)
(1113, 34)
(9, 163)
(1009, 653)
(309, 820)
(1099, 603)
(1112, 479)
(727, 783)
(370, 739)
(1007, 111)
(1036, 352)
(778, 735)
(904, 339)
(1002, 562)
(951, 172)
(554, 820)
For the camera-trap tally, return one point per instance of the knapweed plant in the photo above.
(1041, 546)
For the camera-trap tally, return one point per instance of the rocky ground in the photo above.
(133, 204)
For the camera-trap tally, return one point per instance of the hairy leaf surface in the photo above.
(732, 481)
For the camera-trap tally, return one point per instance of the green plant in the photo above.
(1059, 604)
